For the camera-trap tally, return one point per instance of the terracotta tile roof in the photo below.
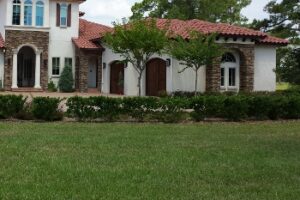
(1, 41)
(88, 33)
(273, 40)
(182, 28)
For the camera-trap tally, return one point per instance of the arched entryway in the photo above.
(26, 67)
(117, 78)
(156, 77)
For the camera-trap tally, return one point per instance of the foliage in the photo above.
(289, 67)
(198, 51)
(210, 10)
(284, 19)
(11, 105)
(46, 108)
(137, 42)
(52, 87)
(66, 80)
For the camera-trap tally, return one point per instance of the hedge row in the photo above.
(40, 108)
(174, 109)
(169, 109)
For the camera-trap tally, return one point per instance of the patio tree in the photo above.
(137, 42)
(197, 51)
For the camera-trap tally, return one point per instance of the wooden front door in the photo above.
(117, 78)
(156, 77)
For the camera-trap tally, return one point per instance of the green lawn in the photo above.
(283, 86)
(130, 161)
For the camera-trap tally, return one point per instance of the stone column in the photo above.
(15, 70)
(37, 82)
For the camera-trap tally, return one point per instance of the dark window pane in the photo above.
(222, 77)
(231, 77)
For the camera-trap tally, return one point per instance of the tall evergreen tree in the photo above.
(210, 10)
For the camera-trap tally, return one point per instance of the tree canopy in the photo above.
(198, 51)
(137, 42)
(283, 21)
(210, 10)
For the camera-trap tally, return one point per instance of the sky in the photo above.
(107, 11)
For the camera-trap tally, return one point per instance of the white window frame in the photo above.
(231, 65)
(60, 20)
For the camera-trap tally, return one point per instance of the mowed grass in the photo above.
(147, 161)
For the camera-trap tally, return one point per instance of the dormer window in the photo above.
(39, 21)
(16, 19)
(28, 13)
(63, 15)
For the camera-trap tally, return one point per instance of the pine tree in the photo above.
(66, 80)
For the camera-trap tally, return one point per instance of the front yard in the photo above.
(145, 161)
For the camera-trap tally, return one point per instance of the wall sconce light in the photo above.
(168, 61)
(4, 50)
(126, 64)
(104, 65)
(45, 62)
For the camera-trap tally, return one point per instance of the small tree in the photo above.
(137, 42)
(66, 80)
(198, 51)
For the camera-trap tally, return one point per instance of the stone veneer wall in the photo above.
(13, 40)
(82, 69)
(213, 72)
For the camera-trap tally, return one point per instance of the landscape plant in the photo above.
(66, 80)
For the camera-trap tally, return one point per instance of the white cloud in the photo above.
(106, 11)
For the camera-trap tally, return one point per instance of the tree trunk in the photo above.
(196, 81)
(139, 84)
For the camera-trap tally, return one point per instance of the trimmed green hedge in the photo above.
(175, 109)
(233, 107)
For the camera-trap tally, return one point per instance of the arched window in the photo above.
(16, 19)
(229, 71)
(63, 14)
(228, 57)
(28, 13)
(39, 21)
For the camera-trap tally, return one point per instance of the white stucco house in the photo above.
(39, 37)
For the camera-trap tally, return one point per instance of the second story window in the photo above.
(16, 19)
(39, 21)
(28, 13)
(63, 14)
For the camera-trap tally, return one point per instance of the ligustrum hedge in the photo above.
(232, 107)
(174, 109)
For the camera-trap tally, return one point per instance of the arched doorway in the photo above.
(26, 67)
(230, 72)
(117, 78)
(156, 77)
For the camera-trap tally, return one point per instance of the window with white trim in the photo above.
(55, 66)
(229, 72)
(28, 13)
(63, 15)
(39, 18)
(68, 62)
(16, 17)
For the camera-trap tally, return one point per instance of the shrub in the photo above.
(66, 80)
(80, 108)
(291, 107)
(46, 108)
(139, 107)
(170, 110)
(52, 87)
(11, 105)
(235, 108)
(106, 108)
(259, 106)
(198, 105)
